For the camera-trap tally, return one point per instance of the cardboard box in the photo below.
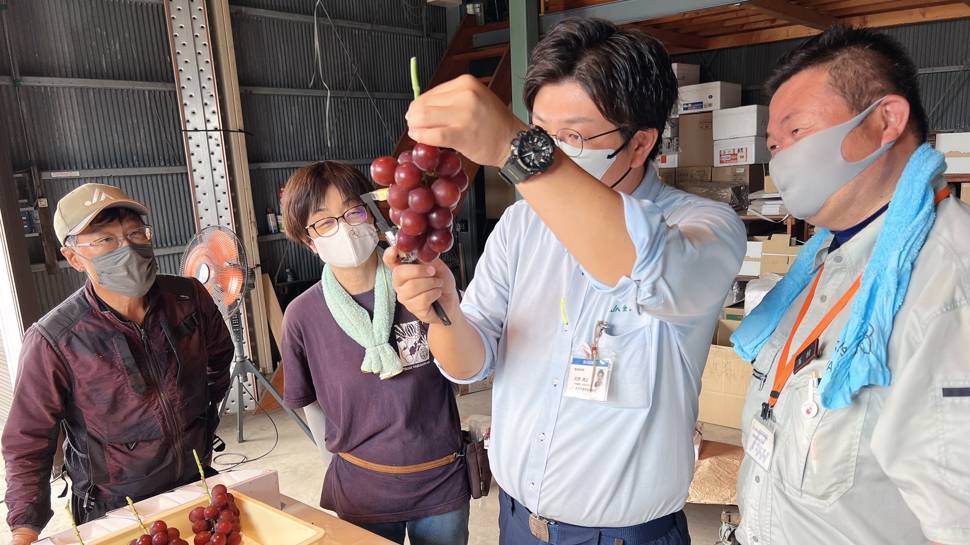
(778, 255)
(956, 149)
(725, 381)
(749, 150)
(668, 175)
(480, 386)
(707, 97)
(752, 175)
(733, 194)
(751, 266)
(694, 174)
(687, 74)
(965, 193)
(696, 140)
(740, 122)
(770, 186)
(668, 160)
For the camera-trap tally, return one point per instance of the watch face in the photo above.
(535, 150)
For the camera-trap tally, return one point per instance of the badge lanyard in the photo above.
(809, 348)
(786, 365)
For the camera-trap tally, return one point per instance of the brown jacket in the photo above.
(132, 408)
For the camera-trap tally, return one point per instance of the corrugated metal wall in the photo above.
(940, 50)
(98, 94)
(274, 52)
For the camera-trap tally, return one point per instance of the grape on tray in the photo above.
(217, 523)
(160, 534)
(425, 186)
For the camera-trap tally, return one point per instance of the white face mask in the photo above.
(594, 161)
(813, 169)
(349, 247)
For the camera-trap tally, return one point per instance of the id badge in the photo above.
(761, 443)
(589, 378)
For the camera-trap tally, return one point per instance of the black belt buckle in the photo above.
(539, 527)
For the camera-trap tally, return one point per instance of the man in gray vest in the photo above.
(856, 425)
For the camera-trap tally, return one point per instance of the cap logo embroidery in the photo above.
(99, 196)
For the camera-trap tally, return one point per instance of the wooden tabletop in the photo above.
(338, 532)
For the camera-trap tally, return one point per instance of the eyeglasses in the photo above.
(109, 243)
(326, 227)
(575, 140)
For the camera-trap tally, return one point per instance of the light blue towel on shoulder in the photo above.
(860, 356)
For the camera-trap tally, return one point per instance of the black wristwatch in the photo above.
(532, 154)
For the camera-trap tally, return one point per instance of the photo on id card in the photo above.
(589, 378)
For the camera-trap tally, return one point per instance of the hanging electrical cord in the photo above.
(353, 63)
(243, 459)
(318, 72)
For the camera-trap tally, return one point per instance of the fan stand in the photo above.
(242, 368)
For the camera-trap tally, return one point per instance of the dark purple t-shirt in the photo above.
(409, 419)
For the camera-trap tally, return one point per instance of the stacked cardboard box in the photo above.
(777, 254)
(726, 376)
(739, 136)
(956, 149)
(696, 140)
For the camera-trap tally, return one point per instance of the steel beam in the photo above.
(524, 33)
(299, 18)
(283, 91)
(282, 165)
(195, 80)
(620, 12)
(111, 172)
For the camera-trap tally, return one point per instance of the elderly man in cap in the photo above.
(131, 367)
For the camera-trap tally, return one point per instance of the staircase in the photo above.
(457, 61)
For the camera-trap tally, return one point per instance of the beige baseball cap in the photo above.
(79, 207)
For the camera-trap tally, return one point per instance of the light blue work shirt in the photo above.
(630, 459)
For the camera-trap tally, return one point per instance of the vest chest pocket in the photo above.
(816, 457)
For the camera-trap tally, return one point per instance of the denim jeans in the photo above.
(514, 530)
(446, 529)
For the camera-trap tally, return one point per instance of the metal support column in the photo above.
(213, 182)
(17, 296)
(524, 33)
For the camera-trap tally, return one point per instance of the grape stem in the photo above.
(77, 533)
(415, 82)
(198, 464)
(131, 505)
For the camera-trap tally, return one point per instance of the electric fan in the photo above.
(216, 258)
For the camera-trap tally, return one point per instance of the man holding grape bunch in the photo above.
(601, 268)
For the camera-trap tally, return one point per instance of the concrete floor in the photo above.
(301, 472)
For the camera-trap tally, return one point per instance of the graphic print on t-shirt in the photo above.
(412, 344)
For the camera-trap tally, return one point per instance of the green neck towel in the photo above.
(379, 357)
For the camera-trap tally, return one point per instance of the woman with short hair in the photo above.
(359, 365)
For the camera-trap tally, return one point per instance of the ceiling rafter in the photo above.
(794, 13)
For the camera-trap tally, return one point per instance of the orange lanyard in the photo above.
(786, 365)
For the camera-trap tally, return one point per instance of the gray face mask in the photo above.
(130, 270)
(813, 169)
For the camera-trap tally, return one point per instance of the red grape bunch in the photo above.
(217, 524)
(160, 534)
(424, 187)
